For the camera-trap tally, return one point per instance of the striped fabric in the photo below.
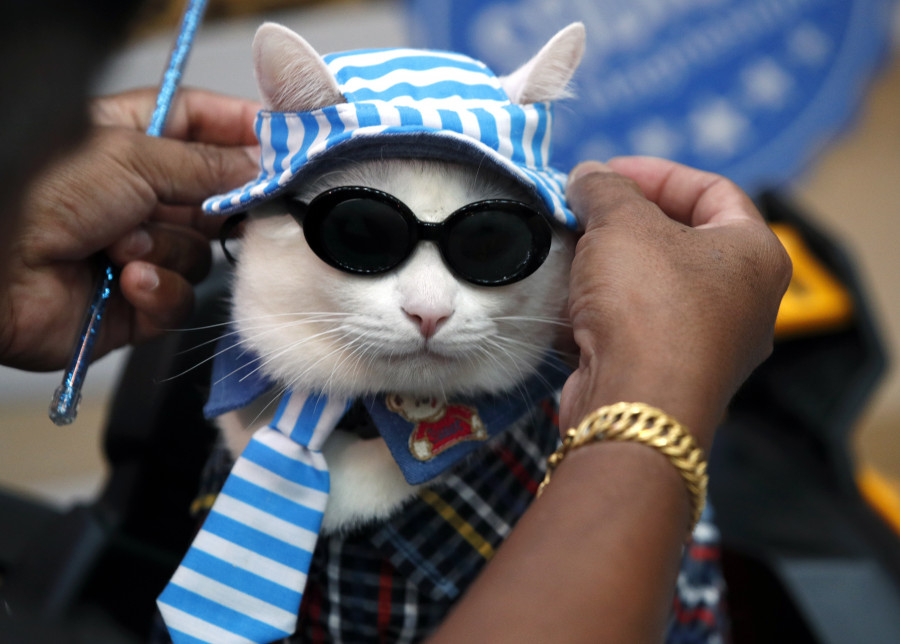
(407, 103)
(243, 578)
(395, 581)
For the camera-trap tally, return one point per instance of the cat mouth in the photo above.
(424, 353)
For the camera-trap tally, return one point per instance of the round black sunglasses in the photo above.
(366, 232)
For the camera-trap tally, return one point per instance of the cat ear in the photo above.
(546, 76)
(291, 75)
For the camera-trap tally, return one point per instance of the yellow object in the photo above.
(815, 300)
(641, 423)
(202, 504)
(462, 526)
(882, 494)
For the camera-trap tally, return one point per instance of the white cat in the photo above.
(417, 330)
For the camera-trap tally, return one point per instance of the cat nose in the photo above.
(429, 322)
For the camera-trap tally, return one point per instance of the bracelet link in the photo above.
(637, 422)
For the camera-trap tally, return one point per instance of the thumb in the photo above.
(594, 191)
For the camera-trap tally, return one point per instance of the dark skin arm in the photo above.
(674, 291)
(136, 199)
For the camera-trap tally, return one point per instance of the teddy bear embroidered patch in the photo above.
(437, 425)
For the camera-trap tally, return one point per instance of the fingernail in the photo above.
(587, 167)
(139, 243)
(147, 279)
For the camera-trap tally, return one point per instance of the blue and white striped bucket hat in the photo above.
(406, 103)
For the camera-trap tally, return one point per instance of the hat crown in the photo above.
(407, 103)
(416, 77)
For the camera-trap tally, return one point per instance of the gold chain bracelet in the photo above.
(641, 423)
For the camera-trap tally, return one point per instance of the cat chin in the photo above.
(420, 377)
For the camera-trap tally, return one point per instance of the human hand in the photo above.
(675, 287)
(137, 199)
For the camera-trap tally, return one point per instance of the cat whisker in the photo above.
(263, 360)
(520, 376)
(250, 319)
(241, 341)
(536, 349)
(269, 329)
(349, 351)
(268, 358)
(276, 397)
(563, 322)
(540, 353)
(339, 335)
(496, 344)
(327, 385)
(197, 328)
(238, 369)
(351, 371)
(308, 318)
(363, 351)
(204, 361)
(201, 345)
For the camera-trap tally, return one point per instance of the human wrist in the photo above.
(680, 388)
(630, 472)
(628, 502)
(638, 423)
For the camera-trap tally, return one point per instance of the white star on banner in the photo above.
(809, 45)
(655, 138)
(718, 128)
(766, 83)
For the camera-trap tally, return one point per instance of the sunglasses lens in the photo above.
(496, 246)
(364, 231)
(361, 235)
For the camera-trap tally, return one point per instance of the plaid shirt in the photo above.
(395, 581)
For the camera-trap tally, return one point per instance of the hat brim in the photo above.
(546, 185)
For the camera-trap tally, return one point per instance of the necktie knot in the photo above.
(307, 418)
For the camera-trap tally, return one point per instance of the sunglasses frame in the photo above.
(311, 216)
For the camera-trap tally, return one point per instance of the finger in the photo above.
(195, 115)
(161, 298)
(132, 109)
(690, 196)
(188, 173)
(595, 192)
(122, 178)
(176, 248)
(587, 167)
(206, 117)
(189, 216)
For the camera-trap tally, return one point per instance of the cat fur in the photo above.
(416, 330)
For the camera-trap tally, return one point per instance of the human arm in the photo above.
(673, 301)
(134, 197)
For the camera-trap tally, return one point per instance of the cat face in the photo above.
(417, 329)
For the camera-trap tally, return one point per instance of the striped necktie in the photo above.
(243, 577)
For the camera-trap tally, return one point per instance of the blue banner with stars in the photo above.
(751, 89)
